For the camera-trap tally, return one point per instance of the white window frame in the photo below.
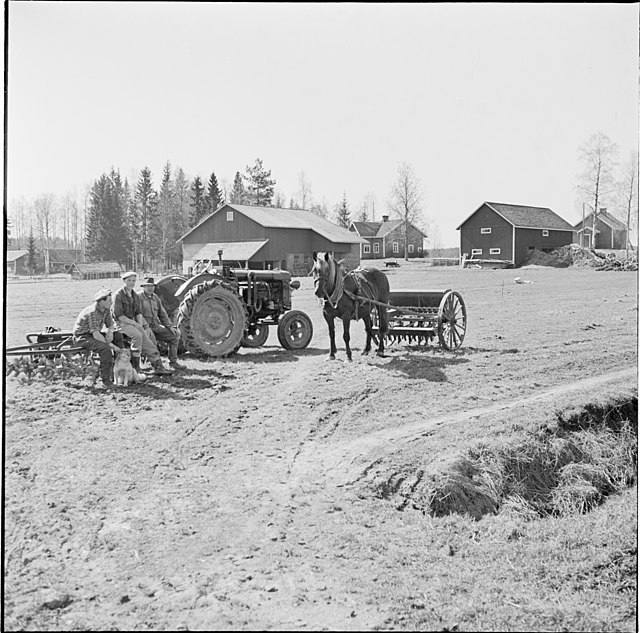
(485, 231)
(366, 248)
(410, 248)
(545, 232)
(396, 247)
(476, 251)
(376, 248)
(494, 251)
(229, 216)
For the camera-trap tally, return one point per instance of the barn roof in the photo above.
(272, 217)
(11, 256)
(231, 251)
(97, 267)
(607, 218)
(64, 256)
(521, 216)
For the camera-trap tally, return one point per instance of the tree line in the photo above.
(138, 225)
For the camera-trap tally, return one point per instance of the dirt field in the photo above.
(241, 494)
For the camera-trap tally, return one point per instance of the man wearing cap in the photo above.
(88, 332)
(127, 315)
(158, 320)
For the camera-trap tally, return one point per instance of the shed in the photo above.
(17, 262)
(61, 259)
(267, 237)
(610, 232)
(95, 270)
(386, 238)
(509, 232)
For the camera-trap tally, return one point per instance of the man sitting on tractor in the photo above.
(127, 314)
(156, 317)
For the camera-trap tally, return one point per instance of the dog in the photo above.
(123, 372)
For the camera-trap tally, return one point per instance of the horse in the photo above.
(345, 296)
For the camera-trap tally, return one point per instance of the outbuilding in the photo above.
(262, 238)
(17, 262)
(95, 270)
(509, 232)
(610, 232)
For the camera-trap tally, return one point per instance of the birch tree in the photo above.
(407, 200)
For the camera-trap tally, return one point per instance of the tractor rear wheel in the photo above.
(295, 330)
(212, 320)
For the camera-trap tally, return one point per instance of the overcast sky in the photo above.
(484, 101)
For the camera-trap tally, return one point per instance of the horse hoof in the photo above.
(365, 352)
(332, 357)
(380, 355)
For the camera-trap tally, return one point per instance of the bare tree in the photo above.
(629, 193)
(407, 200)
(304, 191)
(45, 217)
(598, 156)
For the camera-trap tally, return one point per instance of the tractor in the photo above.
(219, 309)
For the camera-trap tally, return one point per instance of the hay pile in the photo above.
(564, 257)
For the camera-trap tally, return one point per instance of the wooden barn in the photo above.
(95, 270)
(261, 238)
(509, 232)
(16, 262)
(386, 239)
(60, 260)
(610, 232)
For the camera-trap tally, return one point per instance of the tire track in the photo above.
(346, 464)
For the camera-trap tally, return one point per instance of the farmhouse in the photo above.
(16, 262)
(261, 238)
(509, 232)
(610, 232)
(386, 239)
(95, 270)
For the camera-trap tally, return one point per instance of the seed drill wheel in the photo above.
(452, 320)
(212, 319)
(258, 338)
(295, 330)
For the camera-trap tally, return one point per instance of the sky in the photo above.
(485, 102)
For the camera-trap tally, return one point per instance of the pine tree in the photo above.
(215, 197)
(342, 213)
(166, 204)
(146, 203)
(238, 193)
(197, 202)
(180, 217)
(32, 253)
(260, 185)
(107, 226)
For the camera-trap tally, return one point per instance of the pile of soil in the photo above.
(564, 257)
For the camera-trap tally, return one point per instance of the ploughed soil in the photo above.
(237, 494)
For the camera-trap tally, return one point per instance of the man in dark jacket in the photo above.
(158, 320)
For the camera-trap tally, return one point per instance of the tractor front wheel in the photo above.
(295, 330)
(212, 320)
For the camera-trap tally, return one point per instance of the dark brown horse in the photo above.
(346, 296)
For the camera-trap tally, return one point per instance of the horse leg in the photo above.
(332, 335)
(384, 326)
(345, 334)
(367, 327)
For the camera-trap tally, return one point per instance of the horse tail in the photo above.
(384, 320)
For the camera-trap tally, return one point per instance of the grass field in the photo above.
(492, 488)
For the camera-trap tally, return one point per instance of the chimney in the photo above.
(385, 218)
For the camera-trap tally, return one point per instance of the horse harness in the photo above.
(365, 291)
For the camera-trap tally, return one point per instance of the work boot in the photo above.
(160, 369)
(174, 364)
(135, 363)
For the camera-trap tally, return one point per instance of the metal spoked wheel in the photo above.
(258, 337)
(452, 320)
(295, 330)
(212, 319)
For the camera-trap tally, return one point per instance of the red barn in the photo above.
(267, 237)
(509, 232)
